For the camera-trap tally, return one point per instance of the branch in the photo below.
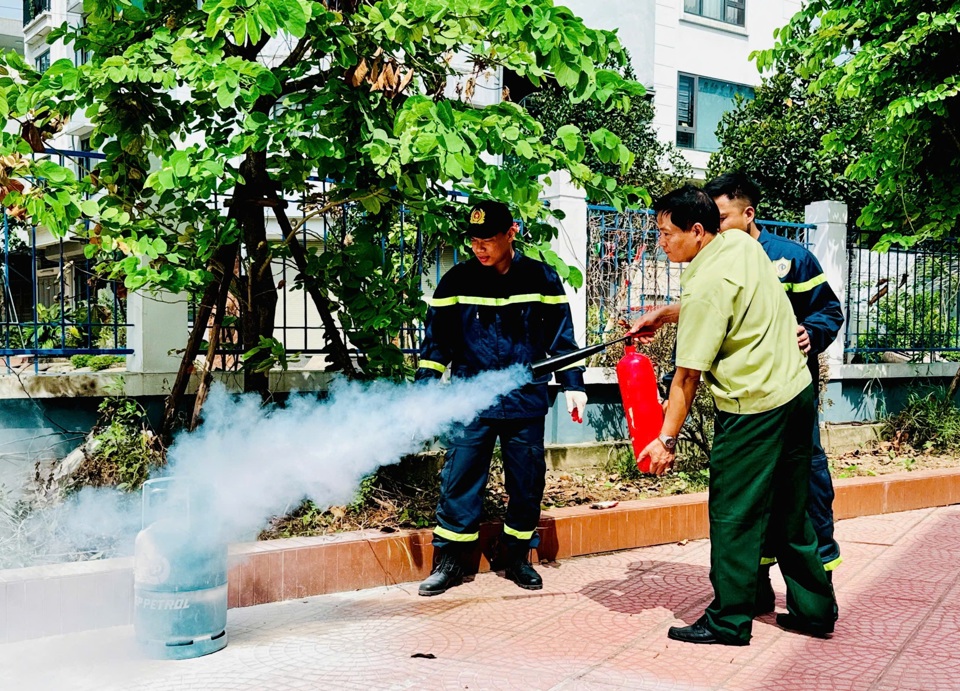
(339, 352)
(296, 55)
(310, 81)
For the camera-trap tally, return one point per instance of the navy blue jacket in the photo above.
(481, 320)
(815, 305)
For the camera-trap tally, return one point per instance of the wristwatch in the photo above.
(669, 443)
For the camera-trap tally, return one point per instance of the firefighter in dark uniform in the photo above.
(498, 309)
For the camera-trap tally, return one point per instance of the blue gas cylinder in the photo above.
(180, 578)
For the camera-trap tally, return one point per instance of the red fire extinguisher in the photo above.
(638, 388)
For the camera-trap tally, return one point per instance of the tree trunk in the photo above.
(222, 263)
(206, 375)
(260, 294)
(954, 385)
(339, 355)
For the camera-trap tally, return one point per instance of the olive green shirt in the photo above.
(737, 326)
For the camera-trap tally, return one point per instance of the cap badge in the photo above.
(478, 217)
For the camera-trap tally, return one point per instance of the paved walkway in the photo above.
(599, 623)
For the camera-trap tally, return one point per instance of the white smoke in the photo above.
(251, 464)
(247, 463)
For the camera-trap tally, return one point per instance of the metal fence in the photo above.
(628, 273)
(297, 324)
(904, 301)
(902, 304)
(54, 304)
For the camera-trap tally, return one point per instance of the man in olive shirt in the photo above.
(737, 329)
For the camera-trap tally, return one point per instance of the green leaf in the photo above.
(569, 135)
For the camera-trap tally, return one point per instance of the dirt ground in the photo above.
(390, 507)
(564, 489)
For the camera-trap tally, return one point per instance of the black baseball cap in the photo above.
(488, 218)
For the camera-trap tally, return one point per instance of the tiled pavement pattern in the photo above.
(599, 623)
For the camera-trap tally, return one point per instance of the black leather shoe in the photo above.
(520, 572)
(792, 622)
(697, 633)
(447, 574)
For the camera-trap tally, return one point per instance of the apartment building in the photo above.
(693, 56)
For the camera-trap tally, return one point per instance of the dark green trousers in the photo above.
(759, 477)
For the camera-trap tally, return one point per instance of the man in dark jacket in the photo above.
(498, 309)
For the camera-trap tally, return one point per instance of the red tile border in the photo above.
(370, 558)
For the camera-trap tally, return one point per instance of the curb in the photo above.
(66, 598)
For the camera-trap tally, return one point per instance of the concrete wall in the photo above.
(635, 23)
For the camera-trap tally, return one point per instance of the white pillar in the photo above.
(158, 328)
(829, 246)
(571, 241)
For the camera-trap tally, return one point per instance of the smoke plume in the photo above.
(248, 463)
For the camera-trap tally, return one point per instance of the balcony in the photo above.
(33, 9)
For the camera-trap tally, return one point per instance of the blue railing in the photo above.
(903, 302)
(54, 304)
(628, 273)
(798, 232)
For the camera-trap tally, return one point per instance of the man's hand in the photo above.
(803, 339)
(576, 404)
(661, 460)
(646, 326)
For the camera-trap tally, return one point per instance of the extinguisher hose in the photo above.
(558, 362)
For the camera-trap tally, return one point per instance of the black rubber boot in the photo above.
(446, 574)
(766, 601)
(519, 570)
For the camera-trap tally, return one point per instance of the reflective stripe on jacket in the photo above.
(815, 305)
(480, 320)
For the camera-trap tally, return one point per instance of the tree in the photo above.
(776, 139)
(898, 59)
(659, 167)
(190, 106)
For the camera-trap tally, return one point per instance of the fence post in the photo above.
(829, 245)
(571, 241)
(158, 325)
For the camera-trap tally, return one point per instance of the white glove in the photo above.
(576, 404)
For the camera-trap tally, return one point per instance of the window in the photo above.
(81, 56)
(701, 102)
(84, 163)
(727, 11)
(42, 63)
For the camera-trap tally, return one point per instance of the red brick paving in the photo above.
(599, 623)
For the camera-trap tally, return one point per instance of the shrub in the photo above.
(124, 449)
(930, 421)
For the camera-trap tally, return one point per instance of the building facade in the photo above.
(693, 57)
